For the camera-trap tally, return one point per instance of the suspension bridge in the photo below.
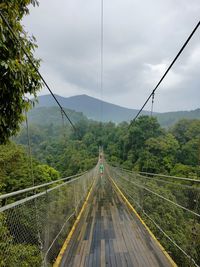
(97, 219)
(111, 218)
(109, 235)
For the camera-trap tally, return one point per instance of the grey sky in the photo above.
(141, 37)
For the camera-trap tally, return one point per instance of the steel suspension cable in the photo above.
(162, 175)
(182, 186)
(63, 125)
(101, 55)
(128, 192)
(29, 149)
(36, 69)
(27, 125)
(162, 197)
(170, 66)
(164, 233)
(152, 103)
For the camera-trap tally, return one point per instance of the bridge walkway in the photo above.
(108, 234)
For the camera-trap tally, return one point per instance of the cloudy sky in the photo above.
(141, 38)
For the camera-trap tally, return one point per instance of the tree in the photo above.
(18, 76)
(44, 173)
(180, 129)
(183, 170)
(15, 171)
(164, 148)
(190, 152)
(13, 253)
(140, 131)
(14, 168)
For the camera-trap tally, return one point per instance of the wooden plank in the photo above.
(109, 235)
(83, 254)
(103, 257)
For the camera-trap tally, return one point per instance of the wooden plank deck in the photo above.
(109, 235)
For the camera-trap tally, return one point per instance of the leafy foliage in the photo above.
(19, 254)
(145, 146)
(18, 76)
(15, 169)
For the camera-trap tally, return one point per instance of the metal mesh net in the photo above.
(170, 207)
(34, 226)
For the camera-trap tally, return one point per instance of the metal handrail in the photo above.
(39, 186)
(161, 175)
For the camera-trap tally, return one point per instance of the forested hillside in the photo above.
(170, 118)
(90, 107)
(52, 115)
(144, 147)
(58, 152)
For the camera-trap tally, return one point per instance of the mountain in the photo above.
(91, 107)
(169, 118)
(52, 115)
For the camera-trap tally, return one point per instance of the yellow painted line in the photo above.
(66, 243)
(138, 216)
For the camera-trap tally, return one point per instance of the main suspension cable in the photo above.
(101, 52)
(36, 69)
(170, 66)
(152, 103)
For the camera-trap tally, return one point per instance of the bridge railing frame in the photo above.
(140, 183)
(35, 221)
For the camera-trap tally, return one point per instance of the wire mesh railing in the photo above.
(35, 222)
(170, 207)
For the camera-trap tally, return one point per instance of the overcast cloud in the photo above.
(141, 37)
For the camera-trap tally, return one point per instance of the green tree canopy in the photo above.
(18, 76)
(15, 169)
